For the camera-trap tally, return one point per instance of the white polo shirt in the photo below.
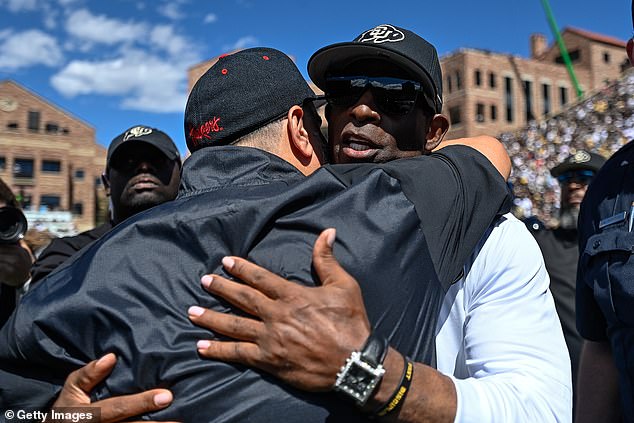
(499, 336)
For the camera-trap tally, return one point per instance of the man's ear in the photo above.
(438, 127)
(106, 183)
(298, 135)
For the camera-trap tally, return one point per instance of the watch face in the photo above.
(358, 379)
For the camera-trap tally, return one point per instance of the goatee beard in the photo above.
(568, 218)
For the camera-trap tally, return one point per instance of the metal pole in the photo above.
(562, 47)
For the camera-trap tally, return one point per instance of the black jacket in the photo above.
(129, 292)
(61, 249)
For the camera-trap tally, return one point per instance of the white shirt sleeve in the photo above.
(499, 336)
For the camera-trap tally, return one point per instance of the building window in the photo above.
(479, 112)
(606, 57)
(98, 182)
(449, 83)
(478, 77)
(528, 100)
(51, 166)
(458, 80)
(78, 209)
(3, 163)
(12, 126)
(494, 112)
(23, 168)
(51, 128)
(563, 96)
(455, 115)
(508, 98)
(574, 55)
(492, 80)
(65, 131)
(546, 98)
(34, 121)
(79, 174)
(50, 202)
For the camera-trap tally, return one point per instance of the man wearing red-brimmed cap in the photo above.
(252, 129)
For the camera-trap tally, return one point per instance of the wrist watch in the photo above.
(363, 371)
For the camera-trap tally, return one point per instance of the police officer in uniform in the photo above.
(559, 245)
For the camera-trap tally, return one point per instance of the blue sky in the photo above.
(118, 63)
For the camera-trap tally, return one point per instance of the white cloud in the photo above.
(67, 2)
(102, 29)
(146, 82)
(50, 22)
(210, 18)
(164, 37)
(172, 10)
(42, 49)
(19, 5)
(244, 42)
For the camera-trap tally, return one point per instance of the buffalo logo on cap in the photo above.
(137, 131)
(381, 34)
(580, 157)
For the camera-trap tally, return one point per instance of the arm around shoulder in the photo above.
(488, 146)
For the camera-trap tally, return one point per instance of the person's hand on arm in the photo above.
(305, 334)
(76, 393)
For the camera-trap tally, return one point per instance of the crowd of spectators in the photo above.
(601, 123)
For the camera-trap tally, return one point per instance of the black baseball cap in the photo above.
(240, 93)
(145, 134)
(581, 160)
(384, 42)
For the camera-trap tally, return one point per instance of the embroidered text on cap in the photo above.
(137, 131)
(381, 34)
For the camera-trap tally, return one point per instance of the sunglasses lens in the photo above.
(580, 176)
(342, 92)
(393, 96)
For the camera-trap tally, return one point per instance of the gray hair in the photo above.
(266, 138)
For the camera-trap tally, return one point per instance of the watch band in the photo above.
(375, 350)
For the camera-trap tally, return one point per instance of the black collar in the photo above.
(214, 167)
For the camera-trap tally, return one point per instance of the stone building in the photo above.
(489, 93)
(49, 157)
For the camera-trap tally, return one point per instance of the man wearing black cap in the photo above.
(560, 246)
(248, 202)
(142, 171)
(498, 332)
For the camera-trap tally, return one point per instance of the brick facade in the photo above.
(480, 107)
(48, 155)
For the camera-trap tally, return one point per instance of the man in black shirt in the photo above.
(560, 246)
(142, 171)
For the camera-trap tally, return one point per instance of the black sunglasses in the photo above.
(393, 96)
(580, 176)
